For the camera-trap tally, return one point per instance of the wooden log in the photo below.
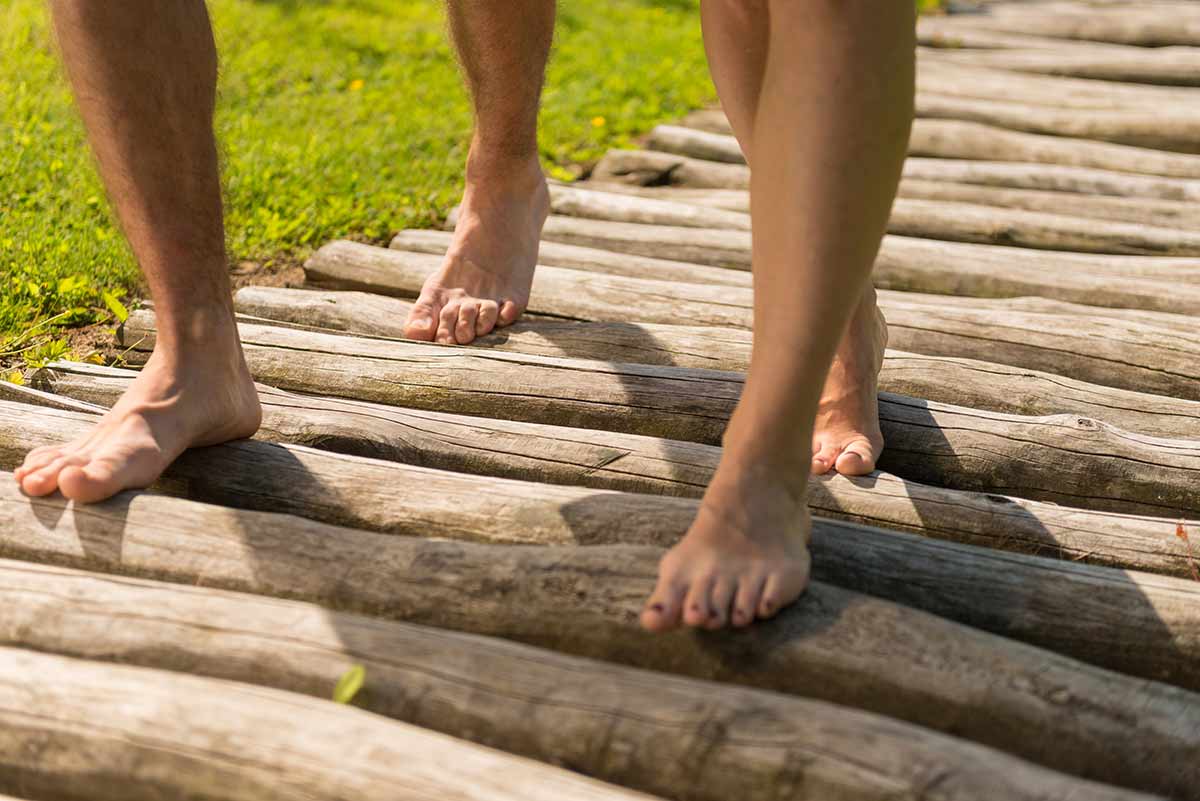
(942, 78)
(337, 311)
(606, 460)
(1167, 66)
(678, 737)
(80, 729)
(1076, 457)
(573, 201)
(1163, 129)
(1145, 211)
(937, 34)
(931, 219)
(955, 139)
(645, 168)
(903, 263)
(1126, 26)
(834, 645)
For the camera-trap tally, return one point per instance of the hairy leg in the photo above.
(847, 436)
(503, 46)
(144, 73)
(829, 136)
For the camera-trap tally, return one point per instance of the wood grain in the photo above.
(682, 738)
(76, 729)
(607, 460)
(834, 645)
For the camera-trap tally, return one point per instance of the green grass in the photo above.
(342, 118)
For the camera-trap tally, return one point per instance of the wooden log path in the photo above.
(837, 645)
(1009, 608)
(619, 723)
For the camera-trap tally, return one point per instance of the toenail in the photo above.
(695, 607)
(657, 608)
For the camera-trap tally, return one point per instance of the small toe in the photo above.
(746, 602)
(422, 321)
(509, 312)
(697, 606)
(489, 313)
(447, 322)
(464, 330)
(44, 480)
(720, 600)
(36, 460)
(662, 610)
(857, 459)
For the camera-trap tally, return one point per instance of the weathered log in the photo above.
(931, 219)
(1044, 90)
(650, 168)
(683, 738)
(75, 729)
(904, 263)
(606, 460)
(1168, 66)
(373, 314)
(834, 644)
(1164, 129)
(1127, 26)
(936, 34)
(1152, 353)
(593, 260)
(1146, 211)
(572, 201)
(955, 139)
(1062, 458)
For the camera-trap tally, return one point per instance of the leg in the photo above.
(485, 279)
(832, 124)
(144, 73)
(847, 436)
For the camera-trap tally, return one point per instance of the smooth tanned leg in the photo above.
(827, 138)
(144, 73)
(484, 282)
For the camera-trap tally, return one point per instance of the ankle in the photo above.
(207, 332)
(490, 169)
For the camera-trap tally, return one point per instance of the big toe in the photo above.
(422, 321)
(103, 478)
(858, 457)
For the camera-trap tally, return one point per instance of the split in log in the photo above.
(1168, 66)
(606, 460)
(651, 168)
(930, 219)
(1163, 129)
(1064, 458)
(682, 738)
(1153, 353)
(903, 263)
(834, 644)
(955, 139)
(76, 729)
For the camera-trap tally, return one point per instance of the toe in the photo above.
(489, 313)
(824, 456)
(857, 458)
(44, 480)
(447, 321)
(36, 460)
(697, 606)
(422, 321)
(92, 482)
(464, 330)
(662, 610)
(781, 589)
(746, 602)
(509, 312)
(719, 602)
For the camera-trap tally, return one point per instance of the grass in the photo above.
(341, 118)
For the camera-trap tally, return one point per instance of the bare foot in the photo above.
(203, 396)
(846, 437)
(484, 281)
(745, 557)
